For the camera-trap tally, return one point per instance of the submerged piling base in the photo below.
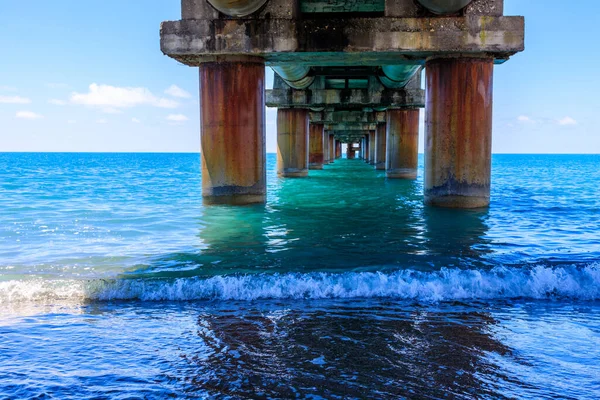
(458, 134)
(232, 131)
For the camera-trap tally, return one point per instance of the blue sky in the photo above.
(89, 76)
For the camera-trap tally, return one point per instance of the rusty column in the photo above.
(232, 130)
(338, 150)
(325, 148)
(292, 142)
(372, 147)
(315, 142)
(458, 133)
(350, 153)
(331, 149)
(402, 146)
(380, 139)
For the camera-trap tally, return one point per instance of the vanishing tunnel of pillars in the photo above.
(457, 135)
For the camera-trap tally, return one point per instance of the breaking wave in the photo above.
(540, 282)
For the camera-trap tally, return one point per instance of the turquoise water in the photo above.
(115, 281)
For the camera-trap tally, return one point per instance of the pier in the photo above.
(346, 71)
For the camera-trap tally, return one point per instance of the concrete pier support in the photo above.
(402, 146)
(331, 148)
(380, 145)
(350, 153)
(371, 147)
(367, 150)
(338, 150)
(232, 131)
(315, 143)
(458, 133)
(325, 148)
(292, 142)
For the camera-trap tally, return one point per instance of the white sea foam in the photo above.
(447, 284)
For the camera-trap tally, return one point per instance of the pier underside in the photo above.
(347, 72)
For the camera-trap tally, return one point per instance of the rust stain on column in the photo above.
(331, 148)
(232, 131)
(458, 133)
(338, 149)
(350, 153)
(402, 145)
(325, 147)
(315, 142)
(380, 139)
(372, 147)
(292, 142)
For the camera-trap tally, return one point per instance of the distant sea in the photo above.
(116, 282)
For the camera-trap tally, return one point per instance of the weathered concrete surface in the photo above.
(345, 98)
(350, 152)
(326, 159)
(380, 146)
(343, 41)
(338, 150)
(350, 127)
(458, 132)
(371, 147)
(292, 142)
(315, 143)
(402, 158)
(232, 126)
(331, 148)
(345, 116)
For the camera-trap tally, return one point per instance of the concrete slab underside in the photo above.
(342, 42)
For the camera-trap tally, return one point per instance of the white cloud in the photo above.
(101, 121)
(14, 100)
(135, 120)
(176, 91)
(108, 97)
(567, 121)
(57, 102)
(177, 117)
(28, 115)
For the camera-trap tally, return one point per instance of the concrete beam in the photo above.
(335, 117)
(346, 98)
(350, 127)
(342, 41)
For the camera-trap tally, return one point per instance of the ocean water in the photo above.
(116, 282)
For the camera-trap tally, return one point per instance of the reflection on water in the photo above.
(306, 349)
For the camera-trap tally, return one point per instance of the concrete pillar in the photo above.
(325, 148)
(372, 147)
(458, 132)
(331, 149)
(380, 139)
(402, 146)
(232, 131)
(315, 143)
(367, 151)
(292, 142)
(350, 153)
(338, 150)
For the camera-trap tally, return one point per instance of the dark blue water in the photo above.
(116, 282)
